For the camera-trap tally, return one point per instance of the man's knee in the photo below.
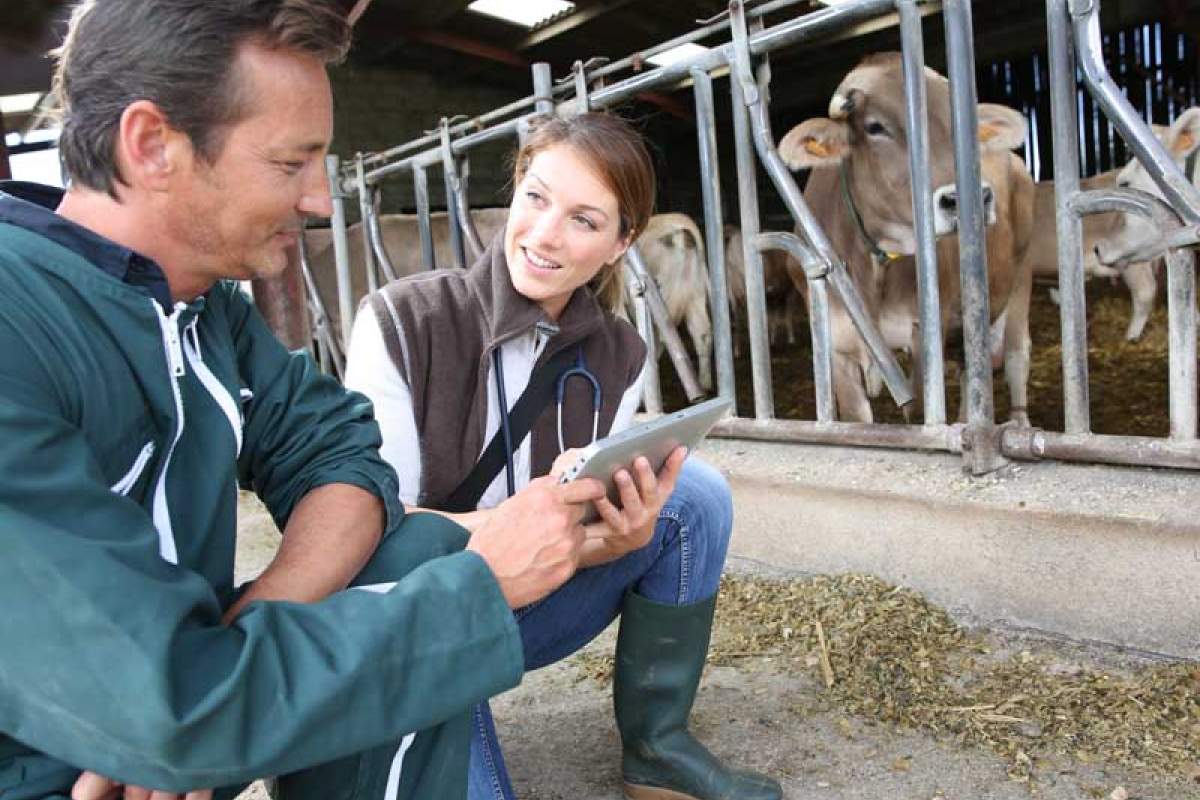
(421, 537)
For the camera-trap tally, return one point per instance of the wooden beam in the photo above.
(470, 47)
(571, 21)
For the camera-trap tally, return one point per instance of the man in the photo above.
(138, 387)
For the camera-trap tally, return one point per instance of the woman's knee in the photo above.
(421, 537)
(702, 500)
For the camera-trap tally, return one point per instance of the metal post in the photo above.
(818, 315)
(662, 320)
(421, 191)
(329, 353)
(710, 186)
(744, 91)
(1072, 302)
(365, 212)
(458, 210)
(376, 233)
(635, 284)
(458, 249)
(983, 454)
(1175, 186)
(928, 291)
(341, 250)
(543, 88)
(1181, 320)
(581, 87)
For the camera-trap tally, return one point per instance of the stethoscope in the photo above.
(579, 370)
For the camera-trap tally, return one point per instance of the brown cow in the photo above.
(864, 145)
(401, 239)
(782, 299)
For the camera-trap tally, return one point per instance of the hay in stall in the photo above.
(885, 653)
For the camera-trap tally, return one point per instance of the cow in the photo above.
(860, 193)
(1043, 249)
(673, 250)
(781, 295)
(401, 239)
(1134, 233)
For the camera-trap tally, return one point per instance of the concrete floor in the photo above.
(1095, 566)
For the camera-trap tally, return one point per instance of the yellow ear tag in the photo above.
(815, 148)
(1185, 142)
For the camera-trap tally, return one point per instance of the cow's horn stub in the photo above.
(842, 105)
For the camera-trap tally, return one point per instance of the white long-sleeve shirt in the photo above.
(369, 369)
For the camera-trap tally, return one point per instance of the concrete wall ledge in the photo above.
(1091, 553)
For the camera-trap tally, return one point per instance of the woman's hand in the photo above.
(630, 527)
(566, 459)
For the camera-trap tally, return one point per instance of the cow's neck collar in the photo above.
(878, 254)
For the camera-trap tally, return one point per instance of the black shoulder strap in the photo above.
(538, 393)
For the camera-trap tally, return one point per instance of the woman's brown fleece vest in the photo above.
(449, 322)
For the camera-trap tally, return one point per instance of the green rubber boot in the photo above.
(660, 655)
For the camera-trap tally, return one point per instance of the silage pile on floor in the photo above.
(885, 653)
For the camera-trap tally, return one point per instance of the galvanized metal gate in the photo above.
(1074, 38)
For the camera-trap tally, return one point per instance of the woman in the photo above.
(440, 353)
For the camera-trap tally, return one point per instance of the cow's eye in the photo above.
(875, 128)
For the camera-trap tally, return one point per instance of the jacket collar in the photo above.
(507, 313)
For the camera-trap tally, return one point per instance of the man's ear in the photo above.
(148, 149)
(815, 143)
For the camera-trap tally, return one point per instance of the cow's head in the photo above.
(866, 130)
(1133, 232)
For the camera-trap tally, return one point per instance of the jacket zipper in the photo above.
(126, 483)
(169, 324)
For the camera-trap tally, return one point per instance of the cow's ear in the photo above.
(815, 143)
(1000, 127)
(1184, 134)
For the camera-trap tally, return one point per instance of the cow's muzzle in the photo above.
(945, 208)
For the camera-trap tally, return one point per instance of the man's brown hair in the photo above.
(179, 55)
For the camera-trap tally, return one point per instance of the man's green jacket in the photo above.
(125, 431)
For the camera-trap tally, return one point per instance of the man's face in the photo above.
(236, 217)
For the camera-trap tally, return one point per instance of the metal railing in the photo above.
(1073, 30)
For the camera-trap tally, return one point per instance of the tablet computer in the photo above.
(655, 440)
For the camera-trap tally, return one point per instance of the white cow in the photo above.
(1043, 249)
(1182, 140)
(673, 250)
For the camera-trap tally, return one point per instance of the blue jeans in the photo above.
(681, 565)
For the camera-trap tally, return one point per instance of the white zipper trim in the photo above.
(215, 388)
(126, 483)
(175, 364)
(393, 781)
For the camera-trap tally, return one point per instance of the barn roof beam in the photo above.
(571, 21)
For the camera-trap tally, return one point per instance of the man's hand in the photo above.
(630, 527)
(531, 541)
(91, 786)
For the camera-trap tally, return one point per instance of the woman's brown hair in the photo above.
(618, 154)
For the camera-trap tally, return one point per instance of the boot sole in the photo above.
(634, 791)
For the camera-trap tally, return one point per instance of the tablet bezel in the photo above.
(655, 440)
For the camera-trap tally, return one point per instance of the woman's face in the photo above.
(563, 226)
